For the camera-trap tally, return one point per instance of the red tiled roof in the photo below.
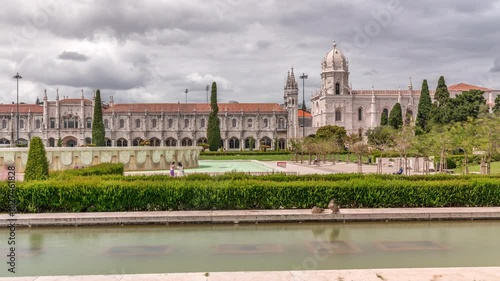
(304, 113)
(195, 107)
(23, 108)
(462, 87)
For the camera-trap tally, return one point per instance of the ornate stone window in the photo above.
(153, 123)
(202, 123)
(52, 123)
(122, 124)
(170, 123)
(281, 123)
(234, 143)
(106, 123)
(360, 114)
(89, 123)
(338, 115)
(170, 142)
(266, 123)
(234, 122)
(137, 123)
(187, 142)
(70, 122)
(337, 89)
(186, 123)
(38, 124)
(21, 124)
(250, 123)
(121, 142)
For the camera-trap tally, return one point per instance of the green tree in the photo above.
(496, 107)
(441, 109)
(213, 132)
(396, 116)
(59, 142)
(330, 132)
(97, 123)
(467, 105)
(424, 108)
(37, 167)
(384, 119)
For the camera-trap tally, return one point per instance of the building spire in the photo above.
(82, 95)
(410, 85)
(45, 94)
(57, 94)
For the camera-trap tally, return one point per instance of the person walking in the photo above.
(180, 170)
(172, 169)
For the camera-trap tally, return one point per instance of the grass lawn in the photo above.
(495, 168)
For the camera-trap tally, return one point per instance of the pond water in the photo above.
(251, 247)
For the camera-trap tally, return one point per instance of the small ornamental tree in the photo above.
(97, 123)
(424, 108)
(396, 117)
(37, 167)
(496, 107)
(213, 131)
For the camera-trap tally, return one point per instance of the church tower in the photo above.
(291, 95)
(331, 105)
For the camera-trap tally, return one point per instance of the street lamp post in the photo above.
(186, 92)
(17, 77)
(206, 89)
(303, 77)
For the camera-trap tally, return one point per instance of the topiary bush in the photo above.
(37, 167)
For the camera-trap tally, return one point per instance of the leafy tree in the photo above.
(59, 142)
(496, 107)
(467, 105)
(424, 108)
(360, 149)
(350, 140)
(488, 133)
(37, 167)
(334, 133)
(97, 124)
(396, 116)
(213, 132)
(384, 119)
(381, 137)
(464, 138)
(403, 143)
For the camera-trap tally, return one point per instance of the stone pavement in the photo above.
(411, 274)
(250, 216)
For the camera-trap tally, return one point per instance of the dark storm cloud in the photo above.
(72, 56)
(153, 50)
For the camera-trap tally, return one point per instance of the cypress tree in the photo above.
(37, 166)
(396, 116)
(97, 123)
(213, 131)
(442, 95)
(424, 108)
(384, 119)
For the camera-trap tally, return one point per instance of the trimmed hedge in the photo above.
(94, 194)
(97, 170)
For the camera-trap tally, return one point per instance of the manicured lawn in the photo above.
(495, 168)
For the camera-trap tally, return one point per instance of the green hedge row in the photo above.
(94, 194)
(97, 170)
(257, 152)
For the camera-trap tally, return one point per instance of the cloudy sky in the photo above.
(151, 51)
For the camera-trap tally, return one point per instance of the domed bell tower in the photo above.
(335, 73)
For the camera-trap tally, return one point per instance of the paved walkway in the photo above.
(250, 216)
(413, 274)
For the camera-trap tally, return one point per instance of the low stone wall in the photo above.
(140, 158)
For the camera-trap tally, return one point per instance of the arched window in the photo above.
(266, 123)
(38, 124)
(52, 142)
(281, 123)
(201, 141)
(121, 142)
(136, 142)
(250, 143)
(187, 142)
(338, 115)
(88, 141)
(202, 123)
(265, 141)
(4, 141)
(4, 124)
(52, 122)
(21, 124)
(70, 123)
(122, 124)
(89, 123)
(170, 142)
(386, 112)
(154, 142)
(360, 114)
(337, 89)
(282, 144)
(186, 123)
(234, 122)
(137, 123)
(170, 123)
(106, 123)
(234, 143)
(153, 123)
(250, 123)
(108, 142)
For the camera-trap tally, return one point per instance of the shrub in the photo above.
(97, 170)
(37, 167)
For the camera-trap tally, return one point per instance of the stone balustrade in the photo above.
(141, 158)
